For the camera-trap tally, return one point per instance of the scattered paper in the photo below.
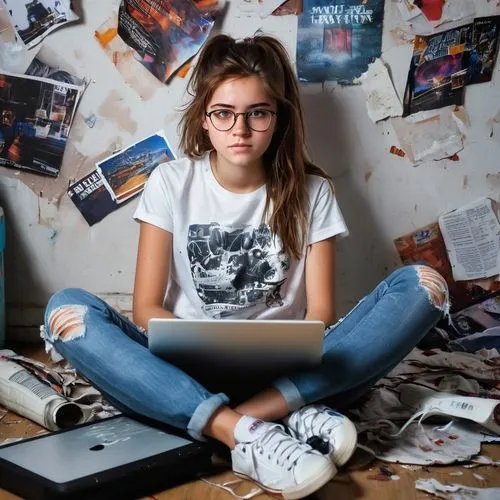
(381, 98)
(125, 172)
(456, 491)
(472, 238)
(33, 21)
(430, 135)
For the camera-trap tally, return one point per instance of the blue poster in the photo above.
(337, 39)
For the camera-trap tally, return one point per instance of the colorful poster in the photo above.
(484, 49)
(164, 33)
(34, 20)
(35, 119)
(337, 39)
(125, 173)
(438, 70)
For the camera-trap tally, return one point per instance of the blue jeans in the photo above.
(359, 349)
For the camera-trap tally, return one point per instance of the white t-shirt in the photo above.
(225, 260)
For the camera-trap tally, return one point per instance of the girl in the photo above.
(244, 227)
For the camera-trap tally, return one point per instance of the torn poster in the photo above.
(34, 20)
(431, 135)
(456, 491)
(472, 238)
(92, 198)
(381, 98)
(484, 49)
(36, 117)
(438, 70)
(125, 173)
(337, 39)
(41, 69)
(165, 34)
(290, 7)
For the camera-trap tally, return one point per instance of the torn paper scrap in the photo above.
(430, 135)
(456, 491)
(472, 238)
(454, 11)
(381, 98)
(33, 21)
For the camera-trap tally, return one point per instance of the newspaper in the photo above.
(472, 238)
(37, 114)
(164, 34)
(125, 172)
(34, 20)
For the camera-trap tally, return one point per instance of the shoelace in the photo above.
(280, 445)
(311, 419)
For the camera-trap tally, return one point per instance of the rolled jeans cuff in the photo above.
(203, 413)
(290, 392)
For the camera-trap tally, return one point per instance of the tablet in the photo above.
(114, 458)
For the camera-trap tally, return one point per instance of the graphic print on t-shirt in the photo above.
(236, 267)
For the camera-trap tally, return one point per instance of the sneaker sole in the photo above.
(303, 490)
(351, 439)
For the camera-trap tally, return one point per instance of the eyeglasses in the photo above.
(259, 120)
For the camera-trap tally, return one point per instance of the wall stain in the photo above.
(368, 175)
(466, 181)
(116, 110)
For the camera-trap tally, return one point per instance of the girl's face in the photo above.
(240, 145)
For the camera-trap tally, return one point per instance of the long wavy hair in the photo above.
(285, 161)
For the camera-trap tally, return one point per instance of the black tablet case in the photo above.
(114, 458)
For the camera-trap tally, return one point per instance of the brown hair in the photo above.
(285, 160)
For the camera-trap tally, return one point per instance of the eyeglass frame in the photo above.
(236, 115)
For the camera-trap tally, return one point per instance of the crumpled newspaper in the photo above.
(456, 491)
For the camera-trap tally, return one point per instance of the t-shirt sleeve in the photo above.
(155, 204)
(326, 218)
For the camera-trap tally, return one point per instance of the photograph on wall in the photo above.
(484, 49)
(125, 172)
(35, 120)
(165, 34)
(337, 39)
(34, 20)
(91, 197)
(438, 70)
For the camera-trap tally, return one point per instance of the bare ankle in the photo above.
(221, 425)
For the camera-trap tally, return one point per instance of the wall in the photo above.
(50, 246)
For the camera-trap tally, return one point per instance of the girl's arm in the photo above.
(320, 281)
(151, 274)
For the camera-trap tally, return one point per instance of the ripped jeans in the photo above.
(359, 349)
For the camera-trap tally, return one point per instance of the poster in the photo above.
(34, 20)
(125, 172)
(438, 70)
(165, 34)
(35, 119)
(91, 197)
(484, 49)
(337, 39)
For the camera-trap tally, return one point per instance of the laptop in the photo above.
(253, 343)
(114, 458)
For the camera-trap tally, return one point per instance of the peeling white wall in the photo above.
(50, 246)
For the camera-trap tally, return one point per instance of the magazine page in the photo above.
(125, 172)
(164, 33)
(37, 114)
(472, 238)
(438, 70)
(34, 20)
(91, 197)
(336, 40)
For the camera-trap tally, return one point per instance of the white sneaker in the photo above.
(277, 462)
(325, 430)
